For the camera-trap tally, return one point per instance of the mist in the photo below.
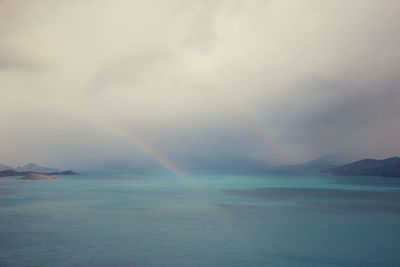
(121, 84)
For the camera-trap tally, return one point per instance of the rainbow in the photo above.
(271, 140)
(149, 149)
(253, 122)
(265, 134)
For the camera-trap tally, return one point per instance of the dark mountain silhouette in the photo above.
(15, 173)
(31, 168)
(370, 167)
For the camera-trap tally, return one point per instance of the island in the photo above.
(6, 171)
(38, 176)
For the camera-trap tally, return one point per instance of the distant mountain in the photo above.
(225, 164)
(321, 163)
(5, 167)
(327, 160)
(370, 167)
(32, 167)
(7, 173)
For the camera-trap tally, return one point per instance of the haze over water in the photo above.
(218, 220)
(122, 84)
(183, 87)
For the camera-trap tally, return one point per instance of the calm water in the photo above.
(213, 220)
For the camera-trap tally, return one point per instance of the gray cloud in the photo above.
(279, 81)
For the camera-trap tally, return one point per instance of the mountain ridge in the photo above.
(8, 173)
(32, 167)
(29, 168)
(389, 167)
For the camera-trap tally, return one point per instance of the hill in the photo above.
(29, 168)
(389, 167)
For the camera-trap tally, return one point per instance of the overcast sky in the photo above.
(281, 81)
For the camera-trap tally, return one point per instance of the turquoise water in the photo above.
(206, 220)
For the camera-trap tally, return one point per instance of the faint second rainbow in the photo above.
(270, 138)
(265, 133)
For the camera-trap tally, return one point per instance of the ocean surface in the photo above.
(131, 220)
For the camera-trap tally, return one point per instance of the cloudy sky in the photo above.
(88, 83)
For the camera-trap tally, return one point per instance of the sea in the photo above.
(201, 220)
